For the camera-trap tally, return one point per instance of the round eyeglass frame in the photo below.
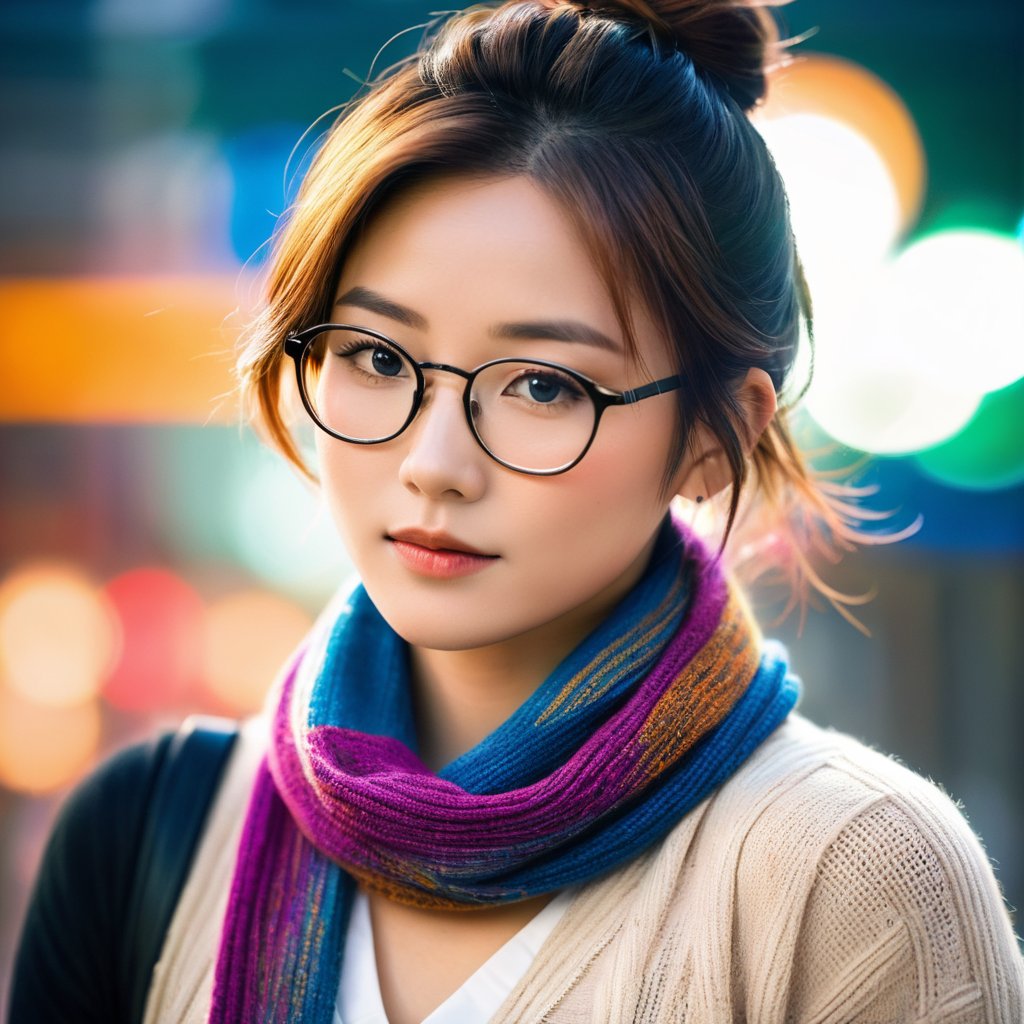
(297, 344)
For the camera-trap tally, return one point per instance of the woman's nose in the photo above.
(443, 459)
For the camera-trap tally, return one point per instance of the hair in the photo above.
(632, 116)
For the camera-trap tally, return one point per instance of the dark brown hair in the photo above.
(632, 116)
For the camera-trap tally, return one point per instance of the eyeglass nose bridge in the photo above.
(447, 368)
(467, 375)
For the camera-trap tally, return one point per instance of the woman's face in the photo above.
(461, 257)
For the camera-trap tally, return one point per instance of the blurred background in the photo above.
(155, 560)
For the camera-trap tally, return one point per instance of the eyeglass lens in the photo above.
(530, 416)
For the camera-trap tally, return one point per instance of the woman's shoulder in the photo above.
(108, 879)
(125, 781)
(836, 780)
(866, 871)
(130, 786)
(836, 805)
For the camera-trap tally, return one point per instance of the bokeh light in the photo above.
(281, 530)
(843, 201)
(44, 748)
(989, 452)
(904, 361)
(161, 620)
(849, 93)
(889, 410)
(248, 636)
(144, 349)
(258, 158)
(853, 162)
(57, 635)
(957, 298)
(872, 390)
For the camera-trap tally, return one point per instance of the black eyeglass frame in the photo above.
(297, 344)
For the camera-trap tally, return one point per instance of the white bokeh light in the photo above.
(844, 206)
(957, 300)
(872, 390)
(889, 410)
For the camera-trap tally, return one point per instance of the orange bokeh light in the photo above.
(58, 636)
(847, 92)
(119, 349)
(42, 749)
(249, 634)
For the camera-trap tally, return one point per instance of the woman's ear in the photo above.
(758, 401)
(706, 471)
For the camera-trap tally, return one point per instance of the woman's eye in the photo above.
(545, 388)
(371, 359)
(385, 362)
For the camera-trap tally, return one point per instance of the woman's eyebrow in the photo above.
(374, 302)
(555, 330)
(547, 330)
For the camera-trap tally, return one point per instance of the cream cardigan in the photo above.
(822, 883)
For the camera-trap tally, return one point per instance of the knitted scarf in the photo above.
(645, 718)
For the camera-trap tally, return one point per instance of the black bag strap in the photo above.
(186, 783)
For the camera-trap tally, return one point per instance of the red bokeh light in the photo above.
(161, 619)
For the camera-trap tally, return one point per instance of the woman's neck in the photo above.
(460, 697)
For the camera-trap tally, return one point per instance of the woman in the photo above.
(539, 286)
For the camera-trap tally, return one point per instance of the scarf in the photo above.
(637, 725)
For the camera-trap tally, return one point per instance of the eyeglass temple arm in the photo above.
(656, 387)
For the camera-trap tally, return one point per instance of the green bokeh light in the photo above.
(988, 454)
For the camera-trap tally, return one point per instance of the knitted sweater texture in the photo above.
(822, 883)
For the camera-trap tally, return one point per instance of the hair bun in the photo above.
(735, 40)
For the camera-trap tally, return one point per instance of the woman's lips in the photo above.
(437, 555)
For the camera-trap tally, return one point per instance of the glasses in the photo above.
(530, 415)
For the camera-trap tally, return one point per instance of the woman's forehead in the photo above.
(494, 249)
